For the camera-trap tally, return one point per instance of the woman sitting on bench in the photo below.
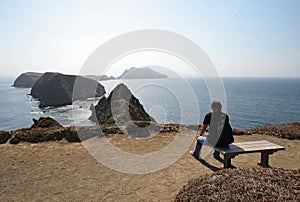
(220, 131)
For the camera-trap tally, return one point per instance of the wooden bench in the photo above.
(265, 147)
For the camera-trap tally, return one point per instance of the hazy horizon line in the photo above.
(183, 76)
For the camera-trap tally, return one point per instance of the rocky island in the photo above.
(121, 108)
(56, 89)
(27, 79)
(142, 73)
(100, 77)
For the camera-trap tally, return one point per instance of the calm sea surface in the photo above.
(249, 102)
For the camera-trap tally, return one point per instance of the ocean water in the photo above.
(18, 108)
(249, 102)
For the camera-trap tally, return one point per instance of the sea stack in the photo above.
(123, 109)
(56, 89)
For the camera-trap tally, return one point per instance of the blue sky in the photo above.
(242, 38)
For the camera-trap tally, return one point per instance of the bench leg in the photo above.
(227, 162)
(264, 161)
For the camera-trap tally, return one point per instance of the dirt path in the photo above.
(62, 171)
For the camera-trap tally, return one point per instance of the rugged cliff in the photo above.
(123, 109)
(120, 106)
(56, 89)
(27, 79)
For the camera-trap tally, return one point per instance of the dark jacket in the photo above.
(220, 131)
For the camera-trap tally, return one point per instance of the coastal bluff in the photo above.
(47, 129)
(56, 89)
(56, 170)
(27, 79)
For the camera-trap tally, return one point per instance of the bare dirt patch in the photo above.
(63, 171)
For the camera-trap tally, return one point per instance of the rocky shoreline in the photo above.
(47, 129)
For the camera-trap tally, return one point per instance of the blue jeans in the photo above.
(201, 140)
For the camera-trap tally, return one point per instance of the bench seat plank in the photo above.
(249, 147)
(265, 147)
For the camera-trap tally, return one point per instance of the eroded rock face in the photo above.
(37, 135)
(4, 136)
(123, 109)
(27, 79)
(55, 89)
(45, 122)
(120, 106)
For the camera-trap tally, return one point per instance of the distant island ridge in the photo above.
(132, 73)
(142, 73)
(28, 79)
(56, 89)
(100, 77)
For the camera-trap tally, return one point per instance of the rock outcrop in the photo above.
(4, 136)
(56, 89)
(141, 73)
(27, 79)
(45, 122)
(121, 108)
(43, 130)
